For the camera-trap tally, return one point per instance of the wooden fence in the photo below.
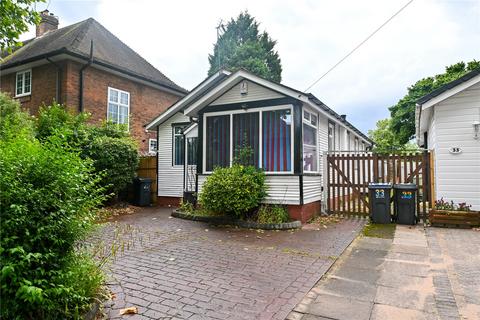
(147, 168)
(348, 176)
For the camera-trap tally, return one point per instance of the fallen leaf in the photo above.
(129, 310)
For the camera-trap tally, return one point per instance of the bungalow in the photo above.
(288, 130)
(448, 123)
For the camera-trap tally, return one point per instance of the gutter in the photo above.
(58, 93)
(85, 66)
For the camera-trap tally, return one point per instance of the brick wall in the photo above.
(145, 102)
(43, 87)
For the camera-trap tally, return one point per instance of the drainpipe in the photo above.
(89, 63)
(58, 94)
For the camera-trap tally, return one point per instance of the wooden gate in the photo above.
(348, 176)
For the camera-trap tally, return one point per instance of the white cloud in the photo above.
(177, 36)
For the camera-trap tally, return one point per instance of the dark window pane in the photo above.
(192, 151)
(277, 140)
(245, 134)
(309, 135)
(217, 142)
(179, 150)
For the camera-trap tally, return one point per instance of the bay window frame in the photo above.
(260, 111)
(316, 127)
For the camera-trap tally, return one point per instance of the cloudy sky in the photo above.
(177, 36)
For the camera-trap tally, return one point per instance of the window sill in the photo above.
(23, 95)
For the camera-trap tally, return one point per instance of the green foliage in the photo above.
(235, 190)
(16, 16)
(272, 214)
(403, 113)
(47, 204)
(13, 121)
(116, 158)
(244, 155)
(386, 141)
(109, 146)
(243, 46)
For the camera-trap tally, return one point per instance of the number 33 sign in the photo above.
(379, 194)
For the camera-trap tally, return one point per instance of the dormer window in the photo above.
(23, 83)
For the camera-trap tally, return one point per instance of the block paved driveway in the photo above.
(176, 269)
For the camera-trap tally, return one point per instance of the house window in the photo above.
(152, 145)
(192, 150)
(310, 155)
(356, 145)
(331, 136)
(118, 106)
(178, 145)
(246, 137)
(23, 83)
(218, 142)
(363, 146)
(277, 140)
(348, 141)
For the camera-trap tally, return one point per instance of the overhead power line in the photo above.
(360, 44)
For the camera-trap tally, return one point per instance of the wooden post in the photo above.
(432, 179)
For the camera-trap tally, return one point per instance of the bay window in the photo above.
(217, 142)
(245, 137)
(266, 133)
(310, 154)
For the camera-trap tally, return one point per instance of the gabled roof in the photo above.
(108, 51)
(216, 85)
(448, 86)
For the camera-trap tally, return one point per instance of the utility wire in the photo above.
(360, 44)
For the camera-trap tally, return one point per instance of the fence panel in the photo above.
(348, 176)
(147, 168)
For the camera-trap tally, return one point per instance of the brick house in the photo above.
(87, 68)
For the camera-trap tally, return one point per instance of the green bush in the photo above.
(13, 121)
(47, 205)
(272, 214)
(235, 190)
(116, 158)
(109, 145)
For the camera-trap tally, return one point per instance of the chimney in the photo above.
(48, 22)
(343, 116)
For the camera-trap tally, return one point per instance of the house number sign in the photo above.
(455, 150)
(406, 195)
(379, 194)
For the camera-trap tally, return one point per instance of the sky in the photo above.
(312, 35)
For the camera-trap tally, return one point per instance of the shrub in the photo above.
(116, 158)
(109, 145)
(47, 204)
(235, 190)
(272, 214)
(13, 121)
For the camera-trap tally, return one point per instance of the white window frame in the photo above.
(23, 93)
(260, 110)
(333, 125)
(308, 121)
(150, 146)
(181, 126)
(118, 106)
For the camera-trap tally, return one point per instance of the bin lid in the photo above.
(381, 185)
(405, 186)
(141, 179)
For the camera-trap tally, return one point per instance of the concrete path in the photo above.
(433, 274)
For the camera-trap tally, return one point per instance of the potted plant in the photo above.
(450, 213)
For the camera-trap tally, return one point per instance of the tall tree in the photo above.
(241, 45)
(403, 113)
(16, 16)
